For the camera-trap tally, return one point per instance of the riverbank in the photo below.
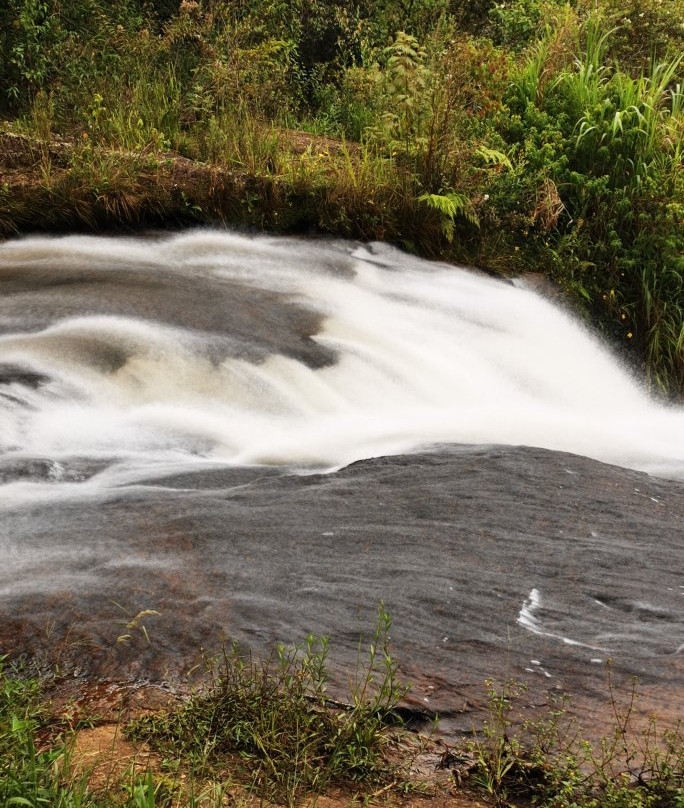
(266, 732)
(57, 185)
(85, 733)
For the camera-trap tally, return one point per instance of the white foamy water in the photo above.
(417, 354)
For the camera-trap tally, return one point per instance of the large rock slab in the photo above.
(495, 562)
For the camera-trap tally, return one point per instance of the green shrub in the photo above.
(644, 31)
(598, 155)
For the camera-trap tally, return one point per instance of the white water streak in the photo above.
(527, 618)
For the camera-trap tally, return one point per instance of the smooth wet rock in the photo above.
(493, 562)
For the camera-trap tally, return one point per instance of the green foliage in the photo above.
(275, 715)
(549, 762)
(517, 23)
(271, 727)
(498, 755)
(30, 776)
(607, 148)
(644, 31)
(29, 55)
(402, 85)
(406, 79)
(493, 157)
(449, 206)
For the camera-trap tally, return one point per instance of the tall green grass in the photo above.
(267, 726)
(549, 760)
(265, 731)
(611, 145)
(31, 776)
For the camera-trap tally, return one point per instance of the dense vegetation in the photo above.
(517, 135)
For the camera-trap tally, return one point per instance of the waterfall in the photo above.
(179, 421)
(217, 348)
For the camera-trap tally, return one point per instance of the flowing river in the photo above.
(260, 438)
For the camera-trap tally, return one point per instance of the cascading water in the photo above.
(216, 347)
(179, 418)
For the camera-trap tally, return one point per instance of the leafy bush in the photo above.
(604, 149)
(517, 23)
(644, 31)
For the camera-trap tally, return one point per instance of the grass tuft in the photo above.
(550, 762)
(275, 718)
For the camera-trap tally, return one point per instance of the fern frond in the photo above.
(449, 206)
(493, 157)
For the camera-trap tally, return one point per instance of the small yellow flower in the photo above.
(517, 249)
(629, 335)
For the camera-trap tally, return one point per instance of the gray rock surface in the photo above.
(493, 562)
